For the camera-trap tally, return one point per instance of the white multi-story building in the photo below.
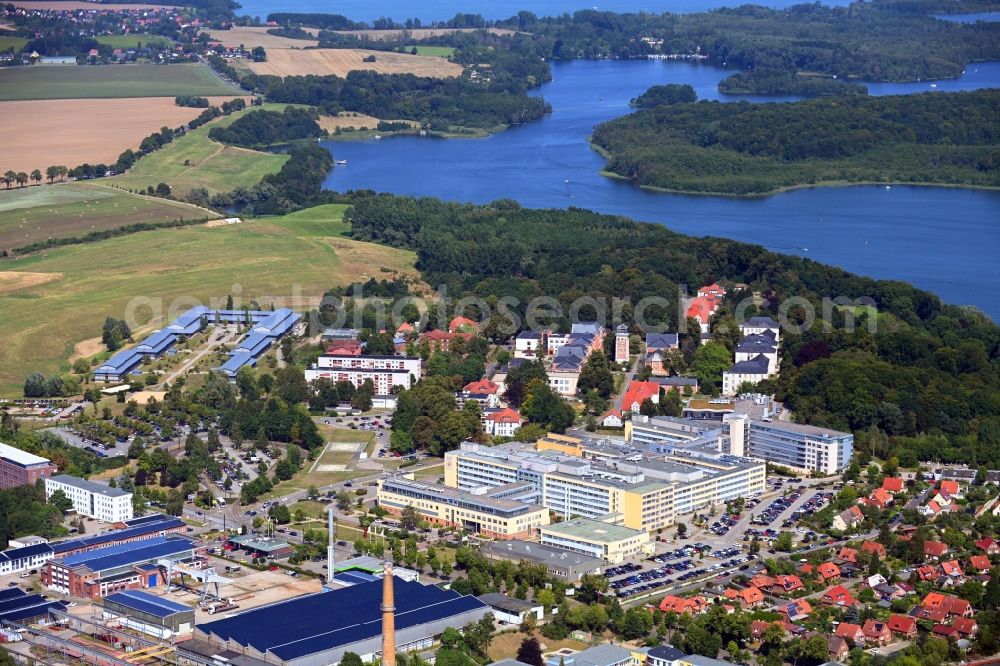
(385, 372)
(94, 500)
(752, 372)
(800, 446)
(761, 325)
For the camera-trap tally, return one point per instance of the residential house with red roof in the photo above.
(877, 632)
(796, 610)
(637, 393)
(462, 325)
(988, 546)
(935, 549)
(502, 422)
(944, 631)
(613, 418)
(482, 386)
(848, 555)
(950, 604)
(980, 563)
(850, 632)
(838, 595)
(892, 484)
(930, 510)
(806, 569)
(952, 568)
(874, 548)
(762, 580)
(828, 571)
(714, 289)
(903, 626)
(405, 329)
(927, 572)
(749, 597)
(786, 585)
(880, 498)
(950, 487)
(966, 626)
(680, 605)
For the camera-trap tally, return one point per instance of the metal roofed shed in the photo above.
(511, 610)
(161, 526)
(18, 606)
(149, 613)
(562, 563)
(260, 546)
(317, 629)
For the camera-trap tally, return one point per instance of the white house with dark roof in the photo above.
(753, 370)
(759, 344)
(758, 325)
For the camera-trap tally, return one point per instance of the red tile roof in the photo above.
(849, 631)
(462, 322)
(505, 415)
(935, 548)
(950, 487)
(902, 624)
(638, 392)
(986, 544)
(874, 547)
(838, 595)
(951, 568)
(828, 570)
(980, 562)
(875, 628)
(893, 484)
(965, 626)
(848, 555)
(481, 386)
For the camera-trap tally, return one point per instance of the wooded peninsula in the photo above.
(755, 149)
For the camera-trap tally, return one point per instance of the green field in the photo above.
(32, 214)
(12, 43)
(107, 81)
(194, 160)
(321, 221)
(42, 321)
(133, 41)
(432, 51)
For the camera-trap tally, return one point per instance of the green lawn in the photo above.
(67, 292)
(32, 214)
(321, 221)
(12, 43)
(108, 81)
(133, 41)
(194, 160)
(432, 51)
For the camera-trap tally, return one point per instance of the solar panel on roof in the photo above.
(163, 523)
(147, 603)
(34, 610)
(10, 593)
(317, 622)
(151, 518)
(122, 554)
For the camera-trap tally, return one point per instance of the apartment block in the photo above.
(612, 543)
(800, 446)
(385, 372)
(109, 505)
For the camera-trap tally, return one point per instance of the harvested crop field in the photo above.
(72, 5)
(251, 37)
(71, 82)
(15, 280)
(287, 62)
(33, 214)
(39, 133)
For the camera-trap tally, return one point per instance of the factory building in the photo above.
(136, 529)
(16, 605)
(130, 566)
(149, 613)
(317, 629)
(20, 468)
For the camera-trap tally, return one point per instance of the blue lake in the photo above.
(942, 239)
(970, 18)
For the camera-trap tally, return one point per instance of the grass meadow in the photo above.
(194, 160)
(60, 297)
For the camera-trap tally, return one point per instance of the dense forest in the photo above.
(266, 128)
(757, 148)
(925, 383)
(766, 82)
(866, 41)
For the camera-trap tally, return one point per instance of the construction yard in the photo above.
(292, 62)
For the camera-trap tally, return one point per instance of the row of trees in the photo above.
(21, 178)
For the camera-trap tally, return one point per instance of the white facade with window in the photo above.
(109, 505)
